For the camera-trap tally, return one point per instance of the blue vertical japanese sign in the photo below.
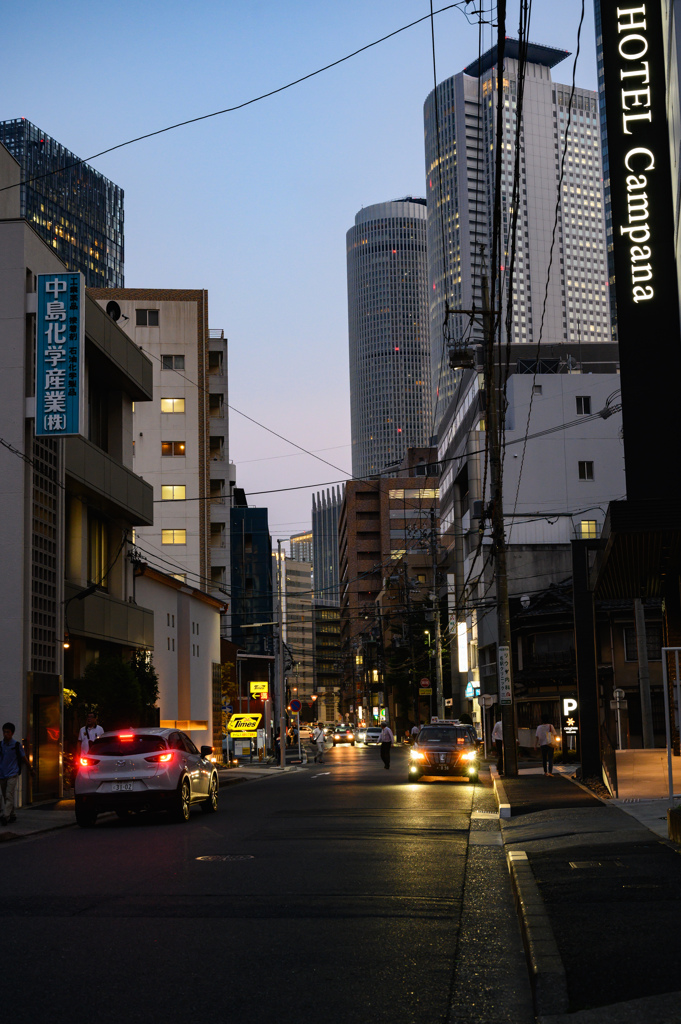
(59, 355)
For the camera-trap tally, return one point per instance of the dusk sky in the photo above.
(254, 205)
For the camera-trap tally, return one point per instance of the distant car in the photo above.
(343, 734)
(361, 733)
(144, 769)
(444, 748)
(372, 736)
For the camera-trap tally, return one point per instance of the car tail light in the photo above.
(160, 758)
(126, 735)
(88, 762)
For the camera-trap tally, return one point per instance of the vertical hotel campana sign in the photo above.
(59, 355)
(643, 243)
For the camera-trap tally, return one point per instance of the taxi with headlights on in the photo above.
(444, 749)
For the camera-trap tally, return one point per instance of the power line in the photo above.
(461, 4)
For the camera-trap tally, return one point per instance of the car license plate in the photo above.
(121, 787)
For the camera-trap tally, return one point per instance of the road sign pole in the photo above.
(300, 753)
(282, 688)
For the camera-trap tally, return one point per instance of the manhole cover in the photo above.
(244, 856)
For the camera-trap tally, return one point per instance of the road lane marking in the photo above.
(320, 775)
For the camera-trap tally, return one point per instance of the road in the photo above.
(340, 892)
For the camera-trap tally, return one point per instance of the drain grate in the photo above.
(244, 856)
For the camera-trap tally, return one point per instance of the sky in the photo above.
(254, 205)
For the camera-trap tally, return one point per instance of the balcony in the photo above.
(113, 488)
(102, 617)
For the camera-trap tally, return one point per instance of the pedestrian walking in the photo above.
(498, 741)
(89, 733)
(414, 733)
(386, 740)
(318, 740)
(12, 759)
(545, 739)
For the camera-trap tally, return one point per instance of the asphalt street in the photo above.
(340, 891)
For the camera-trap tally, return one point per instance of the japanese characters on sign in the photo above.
(504, 667)
(59, 355)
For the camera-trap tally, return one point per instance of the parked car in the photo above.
(444, 749)
(343, 734)
(372, 735)
(144, 769)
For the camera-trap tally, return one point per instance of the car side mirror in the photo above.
(206, 751)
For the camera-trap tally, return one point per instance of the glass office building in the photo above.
(74, 208)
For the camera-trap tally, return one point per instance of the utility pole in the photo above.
(644, 674)
(504, 660)
(439, 695)
(282, 686)
(412, 671)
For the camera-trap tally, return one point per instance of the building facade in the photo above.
(186, 654)
(571, 305)
(74, 208)
(390, 408)
(301, 547)
(181, 439)
(299, 627)
(69, 506)
(326, 506)
(386, 531)
(252, 594)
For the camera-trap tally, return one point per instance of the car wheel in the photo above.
(473, 778)
(85, 816)
(352, 744)
(182, 801)
(210, 805)
(334, 744)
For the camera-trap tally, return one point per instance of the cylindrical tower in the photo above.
(390, 402)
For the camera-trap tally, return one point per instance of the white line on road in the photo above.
(320, 775)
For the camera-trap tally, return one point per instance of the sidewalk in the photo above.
(598, 896)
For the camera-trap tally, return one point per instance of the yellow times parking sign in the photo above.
(242, 723)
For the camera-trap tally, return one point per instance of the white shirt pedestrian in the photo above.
(497, 731)
(318, 740)
(87, 735)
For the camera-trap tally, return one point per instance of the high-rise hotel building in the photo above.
(388, 333)
(460, 189)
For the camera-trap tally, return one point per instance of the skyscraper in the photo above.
(326, 506)
(73, 207)
(460, 188)
(390, 407)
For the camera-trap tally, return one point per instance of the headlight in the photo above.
(415, 755)
(470, 755)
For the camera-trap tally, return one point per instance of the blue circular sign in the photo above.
(295, 705)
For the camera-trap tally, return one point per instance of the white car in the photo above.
(144, 769)
(372, 735)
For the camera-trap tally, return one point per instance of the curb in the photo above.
(547, 972)
(500, 793)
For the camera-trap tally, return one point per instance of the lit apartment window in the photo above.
(589, 529)
(172, 405)
(173, 536)
(583, 405)
(586, 470)
(172, 362)
(173, 492)
(146, 317)
(171, 448)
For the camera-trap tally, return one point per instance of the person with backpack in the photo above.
(12, 759)
(318, 740)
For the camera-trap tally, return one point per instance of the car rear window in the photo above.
(114, 746)
(448, 735)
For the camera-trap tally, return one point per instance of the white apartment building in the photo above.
(570, 472)
(460, 192)
(186, 654)
(181, 439)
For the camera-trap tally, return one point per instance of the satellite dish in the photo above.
(113, 310)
